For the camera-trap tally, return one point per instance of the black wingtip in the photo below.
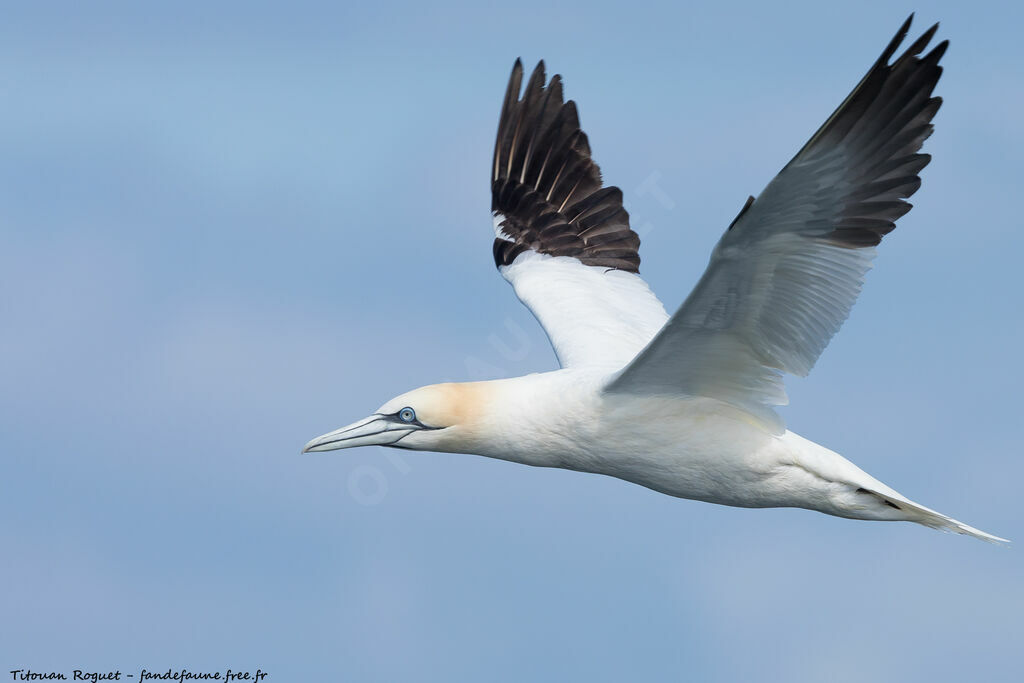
(546, 186)
(890, 49)
(516, 74)
(919, 44)
(936, 54)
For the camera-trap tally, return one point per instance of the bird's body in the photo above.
(683, 404)
(688, 447)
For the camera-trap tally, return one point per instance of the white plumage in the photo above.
(593, 317)
(684, 404)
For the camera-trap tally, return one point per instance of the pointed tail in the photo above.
(936, 520)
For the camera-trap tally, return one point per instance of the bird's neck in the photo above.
(532, 420)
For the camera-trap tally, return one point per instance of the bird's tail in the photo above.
(935, 520)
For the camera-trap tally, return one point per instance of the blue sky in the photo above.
(227, 229)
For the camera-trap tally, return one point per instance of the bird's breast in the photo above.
(688, 447)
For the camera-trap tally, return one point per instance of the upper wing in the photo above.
(562, 240)
(785, 274)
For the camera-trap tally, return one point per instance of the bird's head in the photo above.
(439, 417)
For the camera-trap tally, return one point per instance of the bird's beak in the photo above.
(376, 430)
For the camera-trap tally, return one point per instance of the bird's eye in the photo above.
(407, 415)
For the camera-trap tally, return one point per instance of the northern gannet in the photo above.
(684, 404)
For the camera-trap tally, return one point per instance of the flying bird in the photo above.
(684, 404)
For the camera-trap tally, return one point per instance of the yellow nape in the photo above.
(445, 405)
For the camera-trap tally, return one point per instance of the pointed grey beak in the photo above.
(376, 430)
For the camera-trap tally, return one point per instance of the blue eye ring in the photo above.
(407, 415)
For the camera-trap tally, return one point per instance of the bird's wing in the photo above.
(783, 277)
(562, 240)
